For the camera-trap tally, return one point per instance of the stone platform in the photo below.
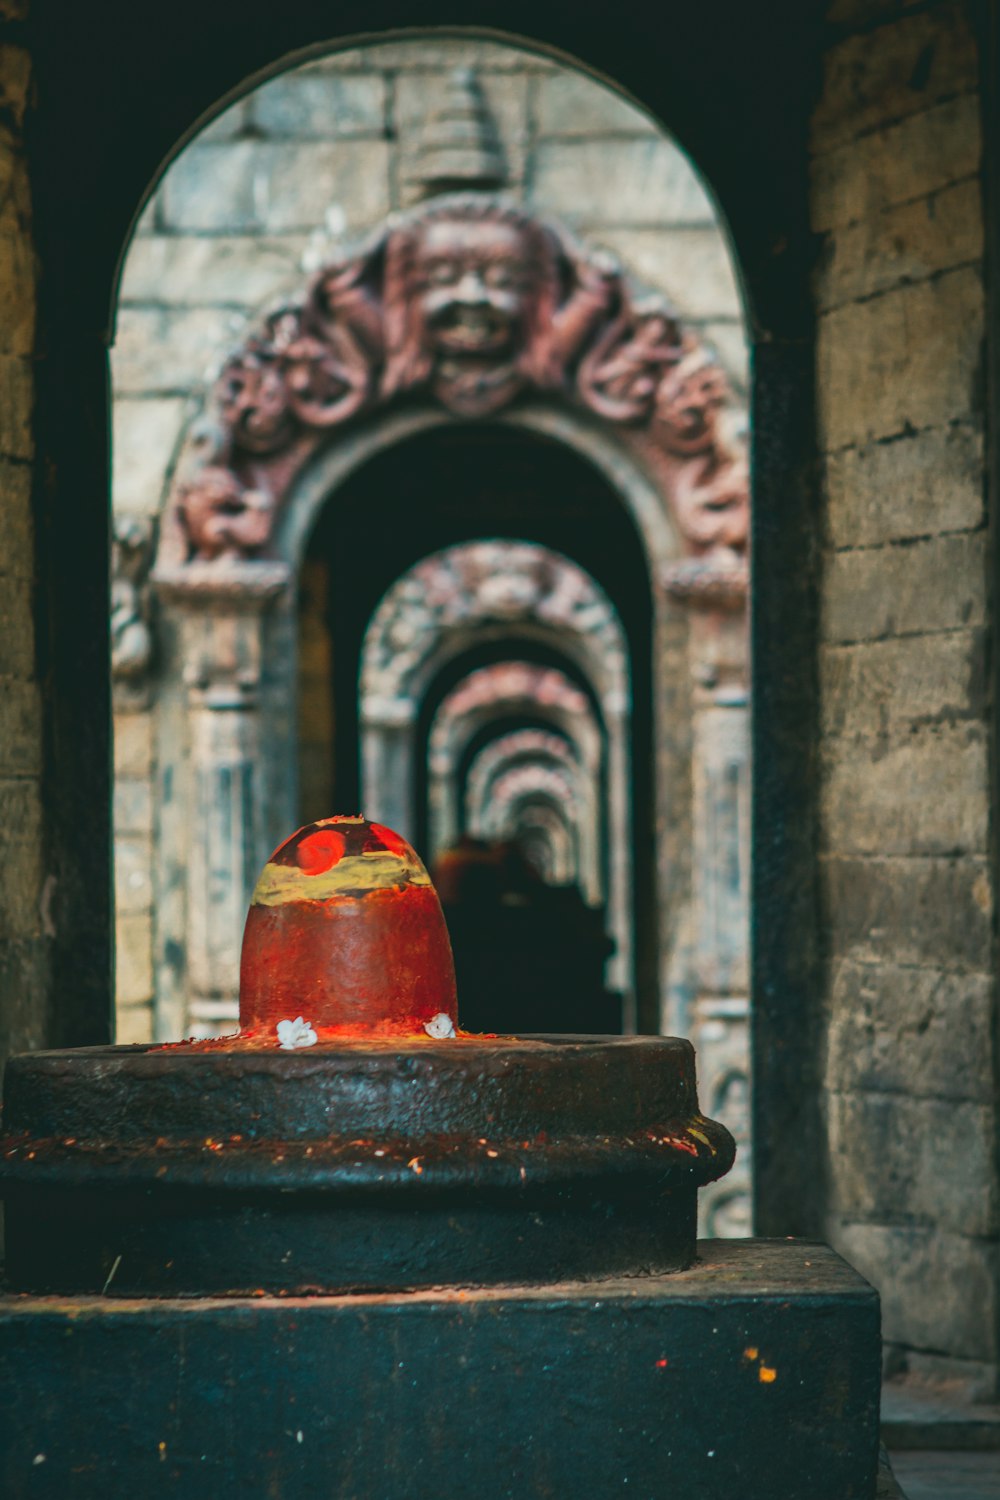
(754, 1373)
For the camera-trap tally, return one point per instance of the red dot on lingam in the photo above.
(391, 841)
(320, 851)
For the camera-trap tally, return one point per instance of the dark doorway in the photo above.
(458, 484)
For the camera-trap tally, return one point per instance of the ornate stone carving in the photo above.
(454, 594)
(222, 519)
(473, 302)
(710, 492)
(457, 146)
(131, 635)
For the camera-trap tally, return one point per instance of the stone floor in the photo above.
(942, 1446)
(947, 1476)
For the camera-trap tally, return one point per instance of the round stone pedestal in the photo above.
(369, 1166)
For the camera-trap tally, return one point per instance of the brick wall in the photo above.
(23, 942)
(905, 799)
(326, 151)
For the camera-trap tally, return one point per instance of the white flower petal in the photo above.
(293, 1034)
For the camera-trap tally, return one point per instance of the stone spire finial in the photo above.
(456, 146)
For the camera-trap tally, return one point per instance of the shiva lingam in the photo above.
(437, 1264)
(351, 1136)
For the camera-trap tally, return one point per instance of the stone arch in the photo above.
(543, 831)
(539, 750)
(477, 303)
(618, 460)
(588, 359)
(540, 797)
(519, 590)
(545, 693)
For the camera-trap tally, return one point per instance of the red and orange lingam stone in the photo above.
(345, 937)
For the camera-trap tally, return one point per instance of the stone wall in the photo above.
(906, 791)
(321, 154)
(24, 958)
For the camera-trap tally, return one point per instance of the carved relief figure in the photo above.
(468, 293)
(474, 301)
(131, 638)
(710, 493)
(222, 519)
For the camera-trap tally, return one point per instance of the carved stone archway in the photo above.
(454, 600)
(494, 801)
(468, 307)
(476, 303)
(598, 754)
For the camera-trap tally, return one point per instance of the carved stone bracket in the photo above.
(220, 612)
(220, 609)
(131, 630)
(718, 583)
(473, 302)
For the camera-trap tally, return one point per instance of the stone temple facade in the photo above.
(325, 178)
(852, 146)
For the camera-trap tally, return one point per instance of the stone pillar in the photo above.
(220, 614)
(620, 971)
(718, 1020)
(387, 763)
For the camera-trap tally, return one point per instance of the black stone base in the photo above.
(175, 1171)
(754, 1374)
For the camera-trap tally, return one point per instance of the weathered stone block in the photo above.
(939, 1290)
(133, 874)
(685, 1386)
(171, 351)
(235, 270)
(649, 181)
(319, 106)
(146, 433)
(908, 359)
(20, 727)
(932, 912)
(133, 806)
(906, 243)
(133, 745)
(297, 185)
(133, 1024)
(506, 99)
(692, 266)
(897, 590)
(21, 827)
(17, 287)
(134, 959)
(914, 486)
(895, 71)
(15, 82)
(928, 794)
(17, 531)
(241, 186)
(17, 628)
(227, 126)
(570, 104)
(905, 1030)
(878, 687)
(919, 1161)
(17, 399)
(908, 160)
(149, 220)
(25, 980)
(212, 186)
